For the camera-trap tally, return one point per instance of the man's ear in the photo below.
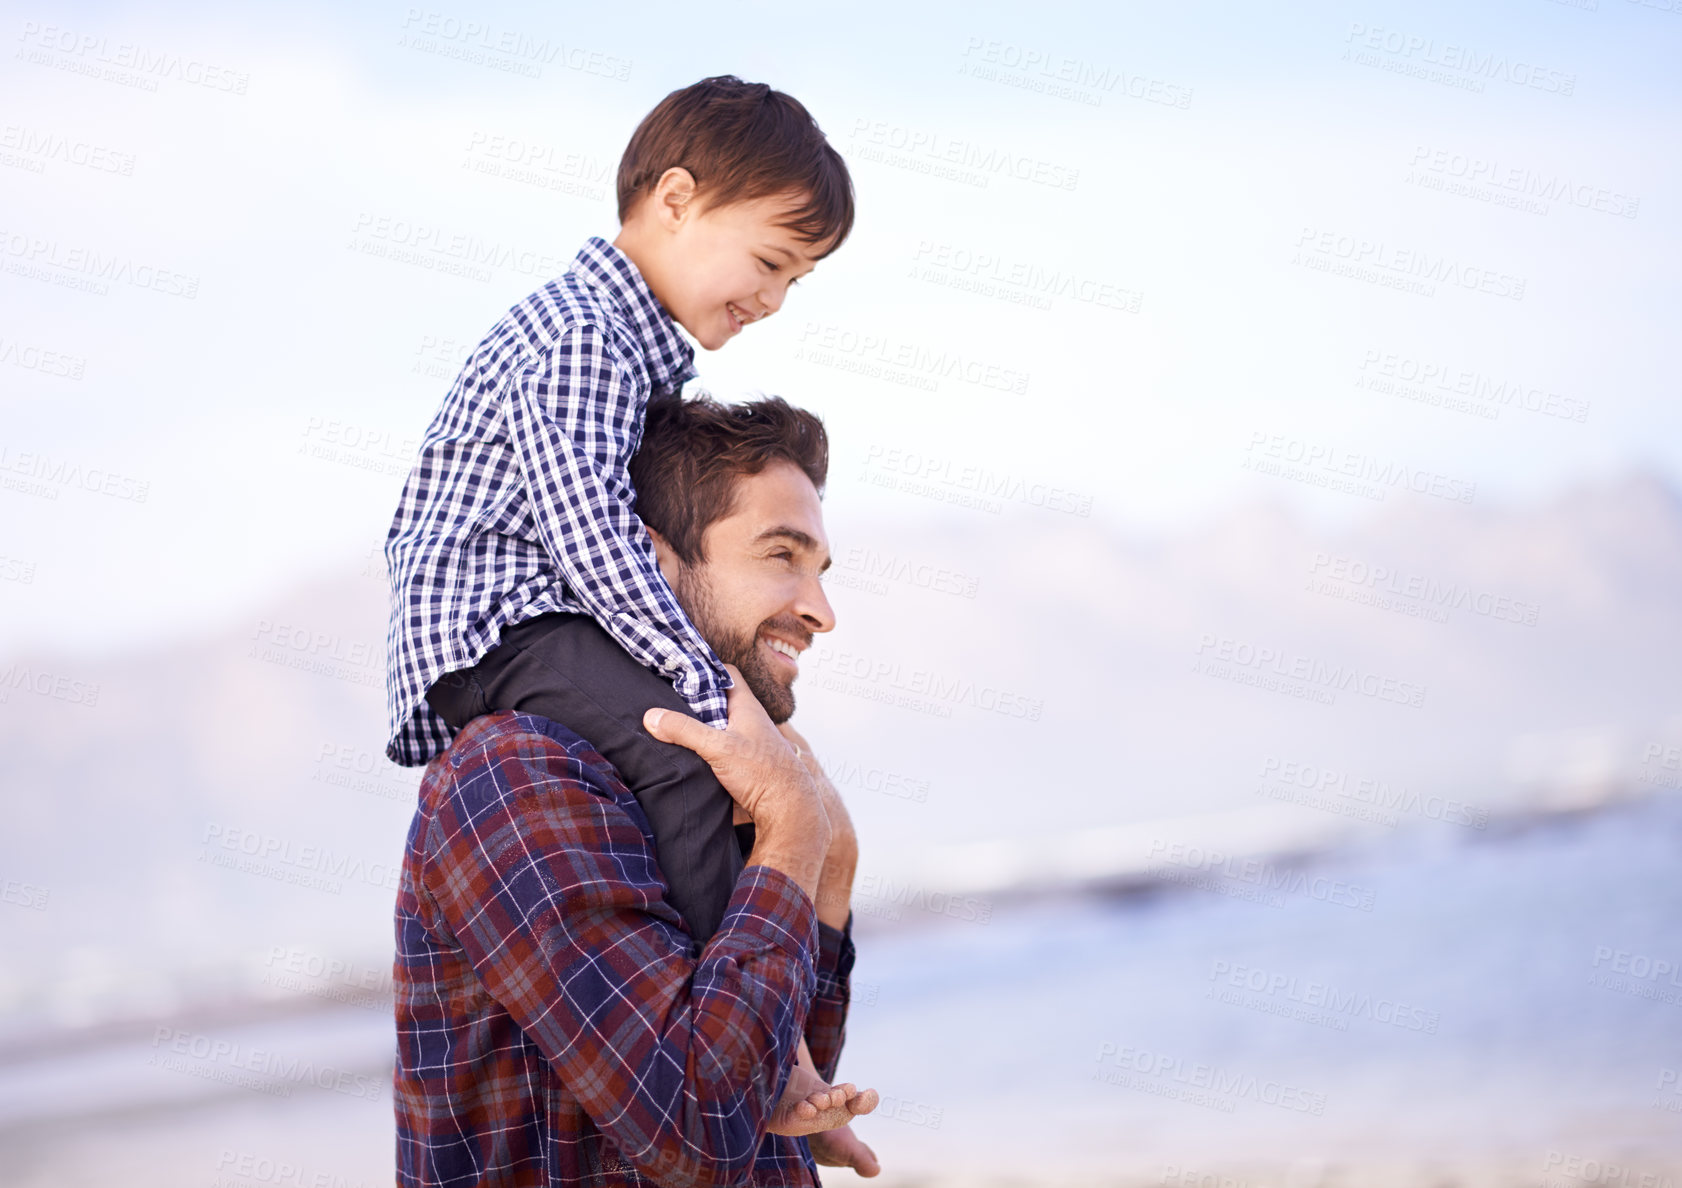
(665, 556)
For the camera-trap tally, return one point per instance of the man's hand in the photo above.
(840, 1147)
(759, 769)
(840, 860)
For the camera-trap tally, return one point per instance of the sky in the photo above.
(1117, 254)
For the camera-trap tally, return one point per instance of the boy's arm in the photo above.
(575, 422)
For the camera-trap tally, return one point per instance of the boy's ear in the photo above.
(671, 201)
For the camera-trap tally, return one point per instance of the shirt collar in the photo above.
(610, 272)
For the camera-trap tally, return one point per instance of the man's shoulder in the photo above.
(509, 753)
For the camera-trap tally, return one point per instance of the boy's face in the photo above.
(755, 595)
(719, 268)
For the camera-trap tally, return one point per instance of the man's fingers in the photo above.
(671, 727)
(864, 1159)
(863, 1103)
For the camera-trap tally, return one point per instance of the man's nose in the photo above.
(813, 607)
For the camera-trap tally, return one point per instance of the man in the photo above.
(557, 1023)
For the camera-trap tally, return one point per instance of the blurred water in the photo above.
(1480, 1020)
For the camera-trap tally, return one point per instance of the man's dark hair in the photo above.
(742, 141)
(693, 451)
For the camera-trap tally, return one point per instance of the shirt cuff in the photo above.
(770, 908)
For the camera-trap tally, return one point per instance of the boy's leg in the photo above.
(565, 668)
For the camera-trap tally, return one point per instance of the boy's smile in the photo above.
(716, 269)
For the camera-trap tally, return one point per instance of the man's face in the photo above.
(727, 266)
(755, 596)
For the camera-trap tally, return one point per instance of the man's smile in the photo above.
(787, 653)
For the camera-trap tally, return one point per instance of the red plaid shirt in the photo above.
(554, 1025)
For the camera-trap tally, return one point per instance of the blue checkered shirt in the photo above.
(520, 502)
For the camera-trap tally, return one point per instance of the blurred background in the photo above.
(1257, 547)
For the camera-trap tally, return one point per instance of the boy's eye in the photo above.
(768, 264)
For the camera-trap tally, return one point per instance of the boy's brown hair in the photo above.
(742, 141)
(693, 451)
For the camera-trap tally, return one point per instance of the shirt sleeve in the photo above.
(826, 1022)
(552, 891)
(575, 421)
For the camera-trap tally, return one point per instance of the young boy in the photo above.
(518, 516)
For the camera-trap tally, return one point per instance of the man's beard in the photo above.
(739, 648)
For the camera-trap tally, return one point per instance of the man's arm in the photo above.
(826, 1023)
(574, 424)
(551, 889)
